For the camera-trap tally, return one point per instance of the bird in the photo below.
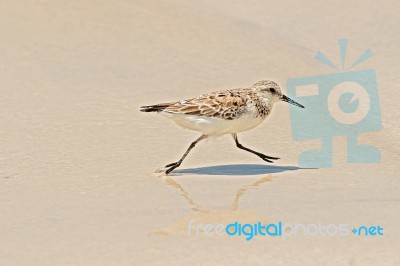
(223, 112)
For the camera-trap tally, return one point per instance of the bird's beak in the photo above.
(288, 100)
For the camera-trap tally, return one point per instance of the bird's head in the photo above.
(272, 93)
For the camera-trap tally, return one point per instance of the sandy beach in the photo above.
(78, 160)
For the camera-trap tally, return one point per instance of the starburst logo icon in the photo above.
(343, 43)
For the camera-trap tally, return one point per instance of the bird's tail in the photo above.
(154, 108)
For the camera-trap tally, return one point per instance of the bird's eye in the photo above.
(272, 90)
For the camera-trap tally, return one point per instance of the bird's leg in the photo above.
(172, 166)
(262, 156)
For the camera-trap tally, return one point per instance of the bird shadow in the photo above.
(236, 169)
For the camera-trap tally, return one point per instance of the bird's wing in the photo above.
(227, 104)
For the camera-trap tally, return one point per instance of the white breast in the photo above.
(213, 126)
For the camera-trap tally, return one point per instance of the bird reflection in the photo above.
(209, 215)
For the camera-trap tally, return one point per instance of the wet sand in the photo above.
(77, 158)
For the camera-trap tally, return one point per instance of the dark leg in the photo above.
(262, 156)
(172, 166)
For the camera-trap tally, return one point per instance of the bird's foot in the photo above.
(268, 158)
(171, 166)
